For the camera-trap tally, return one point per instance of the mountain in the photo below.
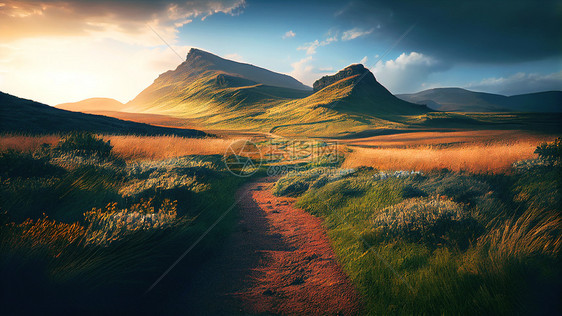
(19, 115)
(221, 93)
(461, 100)
(356, 90)
(92, 105)
(548, 101)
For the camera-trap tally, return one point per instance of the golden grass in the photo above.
(26, 143)
(478, 158)
(132, 147)
(161, 147)
(415, 139)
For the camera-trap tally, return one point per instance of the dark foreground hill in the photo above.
(19, 115)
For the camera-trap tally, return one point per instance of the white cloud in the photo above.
(355, 33)
(364, 60)
(289, 34)
(305, 72)
(519, 83)
(235, 57)
(311, 47)
(407, 72)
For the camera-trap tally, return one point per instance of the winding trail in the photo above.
(278, 261)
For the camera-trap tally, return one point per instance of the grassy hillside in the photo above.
(92, 105)
(223, 94)
(25, 116)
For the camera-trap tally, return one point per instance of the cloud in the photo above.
(364, 60)
(57, 51)
(235, 57)
(124, 20)
(407, 72)
(289, 34)
(519, 83)
(311, 47)
(355, 33)
(476, 31)
(305, 72)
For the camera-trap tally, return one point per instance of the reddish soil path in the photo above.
(279, 261)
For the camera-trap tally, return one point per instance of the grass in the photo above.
(443, 242)
(130, 147)
(478, 158)
(82, 232)
(87, 233)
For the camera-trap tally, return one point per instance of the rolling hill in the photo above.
(461, 100)
(19, 115)
(220, 93)
(92, 105)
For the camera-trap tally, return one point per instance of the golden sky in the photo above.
(65, 51)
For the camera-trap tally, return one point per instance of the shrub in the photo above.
(84, 144)
(20, 164)
(432, 220)
(550, 151)
(295, 183)
(111, 224)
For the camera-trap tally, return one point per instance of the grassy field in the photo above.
(443, 242)
(90, 222)
(88, 228)
(477, 151)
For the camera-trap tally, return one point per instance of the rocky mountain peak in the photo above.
(349, 71)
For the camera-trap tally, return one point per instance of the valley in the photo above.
(225, 188)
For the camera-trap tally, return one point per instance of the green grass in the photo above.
(443, 243)
(75, 234)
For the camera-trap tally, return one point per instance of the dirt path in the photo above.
(279, 261)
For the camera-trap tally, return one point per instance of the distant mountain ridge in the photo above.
(212, 92)
(462, 100)
(92, 105)
(227, 94)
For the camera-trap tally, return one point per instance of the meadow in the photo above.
(444, 241)
(460, 225)
(89, 223)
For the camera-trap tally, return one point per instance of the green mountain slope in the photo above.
(226, 94)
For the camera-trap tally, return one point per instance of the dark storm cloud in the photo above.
(478, 30)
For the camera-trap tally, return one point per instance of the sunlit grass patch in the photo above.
(444, 242)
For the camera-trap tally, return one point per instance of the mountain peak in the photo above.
(349, 71)
(196, 52)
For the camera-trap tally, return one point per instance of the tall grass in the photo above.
(444, 242)
(478, 158)
(26, 143)
(162, 147)
(131, 146)
(85, 236)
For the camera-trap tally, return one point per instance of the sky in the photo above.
(64, 51)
